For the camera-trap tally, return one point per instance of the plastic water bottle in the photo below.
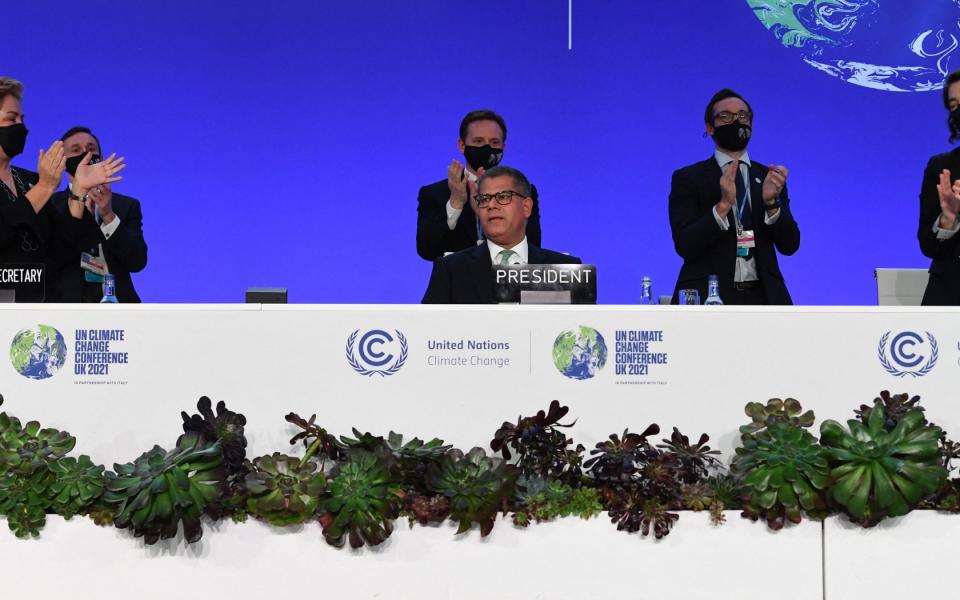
(109, 290)
(713, 291)
(646, 291)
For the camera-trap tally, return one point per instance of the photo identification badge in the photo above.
(745, 241)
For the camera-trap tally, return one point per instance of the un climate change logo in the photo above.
(905, 350)
(371, 356)
(580, 353)
(38, 353)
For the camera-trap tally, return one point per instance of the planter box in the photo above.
(906, 557)
(566, 559)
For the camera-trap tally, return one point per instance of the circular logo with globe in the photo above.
(38, 353)
(893, 46)
(580, 353)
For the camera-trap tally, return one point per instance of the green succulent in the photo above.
(26, 520)
(879, 472)
(775, 411)
(784, 472)
(555, 499)
(161, 489)
(477, 486)
(30, 448)
(24, 501)
(282, 490)
(76, 484)
(363, 502)
(411, 457)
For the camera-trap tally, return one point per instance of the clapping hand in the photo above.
(51, 164)
(728, 188)
(457, 182)
(774, 182)
(90, 176)
(949, 200)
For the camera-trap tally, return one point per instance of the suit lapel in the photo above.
(480, 266)
(535, 256)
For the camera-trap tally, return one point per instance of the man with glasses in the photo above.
(503, 205)
(445, 217)
(730, 215)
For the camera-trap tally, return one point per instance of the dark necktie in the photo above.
(743, 206)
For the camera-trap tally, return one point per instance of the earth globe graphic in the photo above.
(580, 353)
(891, 46)
(38, 353)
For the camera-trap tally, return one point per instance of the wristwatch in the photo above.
(772, 205)
(73, 196)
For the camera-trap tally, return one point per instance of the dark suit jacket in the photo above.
(466, 277)
(706, 249)
(943, 287)
(125, 251)
(27, 236)
(434, 237)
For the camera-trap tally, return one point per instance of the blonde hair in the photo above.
(10, 87)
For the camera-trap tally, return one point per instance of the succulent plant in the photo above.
(76, 484)
(363, 502)
(894, 408)
(775, 411)
(426, 509)
(541, 448)
(726, 491)
(30, 448)
(315, 439)
(879, 472)
(633, 512)
(695, 460)
(697, 496)
(620, 460)
(545, 501)
(225, 426)
(24, 500)
(476, 485)
(784, 472)
(283, 490)
(406, 461)
(160, 489)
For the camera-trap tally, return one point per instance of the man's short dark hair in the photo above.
(81, 129)
(482, 115)
(952, 78)
(721, 95)
(519, 179)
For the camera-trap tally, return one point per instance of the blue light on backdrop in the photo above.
(283, 144)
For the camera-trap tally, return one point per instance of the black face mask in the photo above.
(74, 161)
(13, 138)
(482, 157)
(734, 136)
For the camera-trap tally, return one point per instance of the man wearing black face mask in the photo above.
(110, 237)
(730, 216)
(939, 210)
(445, 220)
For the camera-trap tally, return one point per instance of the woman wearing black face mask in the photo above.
(30, 230)
(939, 209)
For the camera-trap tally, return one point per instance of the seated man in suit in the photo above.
(729, 215)
(504, 205)
(445, 217)
(110, 239)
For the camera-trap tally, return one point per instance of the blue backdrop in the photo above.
(284, 143)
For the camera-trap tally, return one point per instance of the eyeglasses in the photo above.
(503, 198)
(725, 118)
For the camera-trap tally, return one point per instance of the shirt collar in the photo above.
(521, 249)
(724, 159)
